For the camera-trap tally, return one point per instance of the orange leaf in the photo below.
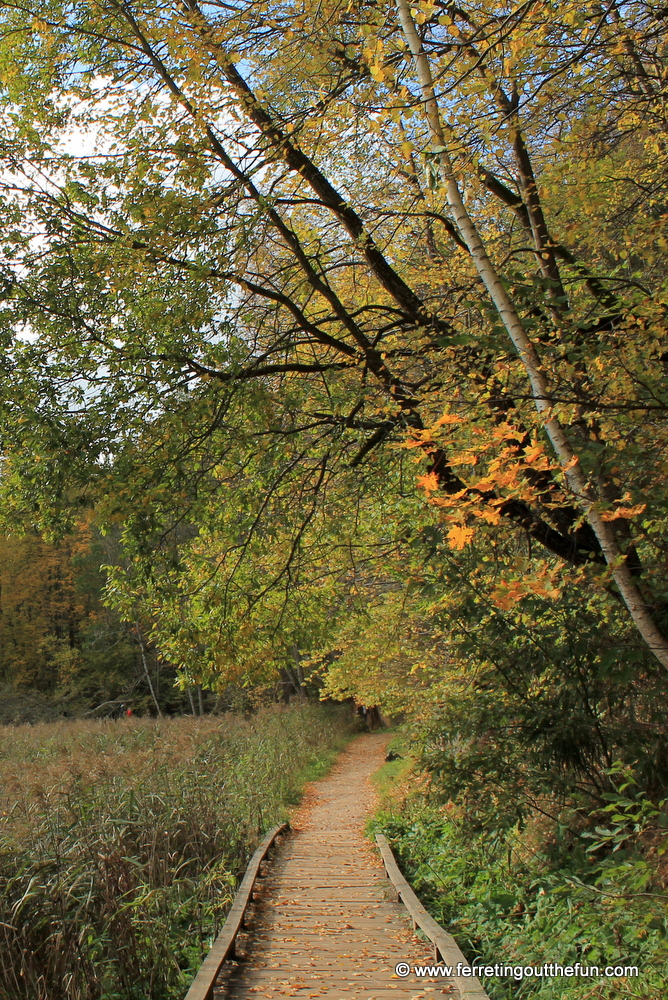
(491, 516)
(464, 458)
(448, 418)
(428, 482)
(531, 454)
(459, 536)
(610, 515)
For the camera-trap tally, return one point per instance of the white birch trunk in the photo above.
(563, 449)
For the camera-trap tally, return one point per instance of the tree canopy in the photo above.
(305, 296)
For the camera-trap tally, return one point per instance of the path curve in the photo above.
(326, 925)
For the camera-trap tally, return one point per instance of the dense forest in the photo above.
(334, 357)
(65, 653)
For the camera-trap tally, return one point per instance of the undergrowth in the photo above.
(540, 894)
(121, 843)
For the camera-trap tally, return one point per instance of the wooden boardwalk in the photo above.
(325, 924)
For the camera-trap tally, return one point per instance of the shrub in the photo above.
(543, 893)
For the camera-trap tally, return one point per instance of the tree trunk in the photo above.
(142, 649)
(528, 354)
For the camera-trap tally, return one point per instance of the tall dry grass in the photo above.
(121, 843)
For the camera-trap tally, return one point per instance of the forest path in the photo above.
(324, 926)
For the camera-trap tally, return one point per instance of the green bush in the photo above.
(529, 899)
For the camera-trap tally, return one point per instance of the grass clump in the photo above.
(121, 844)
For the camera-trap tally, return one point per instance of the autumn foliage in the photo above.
(349, 324)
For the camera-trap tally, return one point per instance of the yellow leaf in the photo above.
(459, 536)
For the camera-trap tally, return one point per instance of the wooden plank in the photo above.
(446, 949)
(223, 947)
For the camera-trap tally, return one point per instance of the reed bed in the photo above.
(121, 843)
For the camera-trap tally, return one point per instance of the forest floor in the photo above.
(324, 925)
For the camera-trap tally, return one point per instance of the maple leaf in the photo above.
(459, 536)
(610, 515)
(532, 454)
(428, 482)
(448, 418)
(491, 516)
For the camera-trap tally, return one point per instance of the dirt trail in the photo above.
(326, 925)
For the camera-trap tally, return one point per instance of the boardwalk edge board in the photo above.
(446, 949)
(223, 947)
